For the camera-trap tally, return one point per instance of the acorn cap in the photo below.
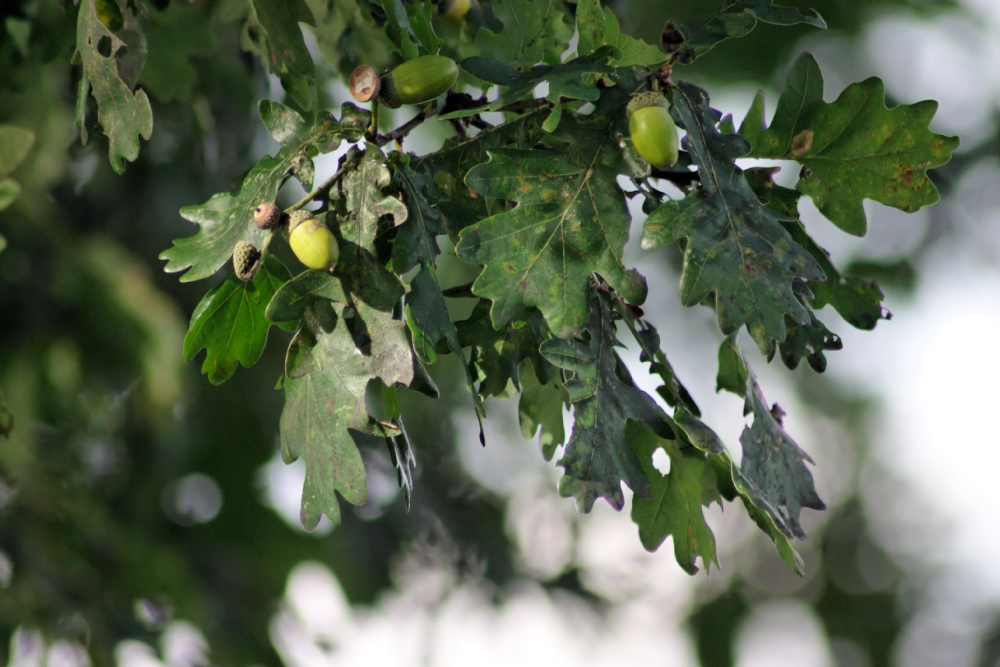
(647, 99)
(267, 216)
(364, 83)
(246, 260)
(297, 217)
(387, 94)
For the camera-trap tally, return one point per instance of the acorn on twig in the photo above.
(267, 216)
(312, 242)
(364, 83)
(653, 132)
(246, 260)
(417, 81)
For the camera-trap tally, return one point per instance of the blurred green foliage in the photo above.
(107, 415)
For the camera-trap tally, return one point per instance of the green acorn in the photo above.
(312, 242)
(417, 81)
(246, 260)
(653, 132)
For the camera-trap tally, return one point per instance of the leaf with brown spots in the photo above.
(598, 457)
(737, 248)
(570, 220)
(852, 149)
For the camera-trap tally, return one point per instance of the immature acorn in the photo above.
(312, 242)
(653, 131)
(454, 11)
(246, 260)
(417, 81)
(267, 216)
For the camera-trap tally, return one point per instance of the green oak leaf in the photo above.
(598, 458)
(444, 171)
(540, 409)
(230, 324)
(570, 221)
(319, 409)
(124, 116)
(599, 27)
(572, 80)
(534, 31)
(228, 216)
(498, 353)
(732, 483)
(300, 293)
(273, 31)
(675, 499)
(736, 247)
(426, 312)
(174, 36)
(10, 190)
(852, 149)
(771, 459)
(686, 42)
(326, 400)
(858, 301)
(809, 342)
(361, 189)
(397, 32)
(15, 143)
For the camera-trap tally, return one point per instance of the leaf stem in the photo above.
(325, 185)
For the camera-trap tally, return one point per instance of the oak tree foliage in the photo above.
(533, 201)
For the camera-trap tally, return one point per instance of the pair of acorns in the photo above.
(413, 82)
(312, 242)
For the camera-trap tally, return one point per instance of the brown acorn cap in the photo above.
(246, 260)
(267, 216)
(647, 99)
(364, 83)
(297, 217)
(387, 95)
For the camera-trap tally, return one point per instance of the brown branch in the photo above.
(407, 127)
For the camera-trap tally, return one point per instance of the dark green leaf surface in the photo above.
(297, 295)
(773, 462)
(736, 247)
(736, 19)
(426, 312)
(732, 483)
(675, 499)
(497, 353)
(599, 27)
(228, 217)
(534, 31)
(853, 149)
(397, 31)
(230, 324)
(444, 172)
(174, 36)
(858, 301)
(598, 458)
(540, 409)
(124, 116)
(570, 222)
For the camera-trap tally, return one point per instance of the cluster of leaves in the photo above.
(535, 203)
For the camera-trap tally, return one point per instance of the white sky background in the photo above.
(935, 367)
